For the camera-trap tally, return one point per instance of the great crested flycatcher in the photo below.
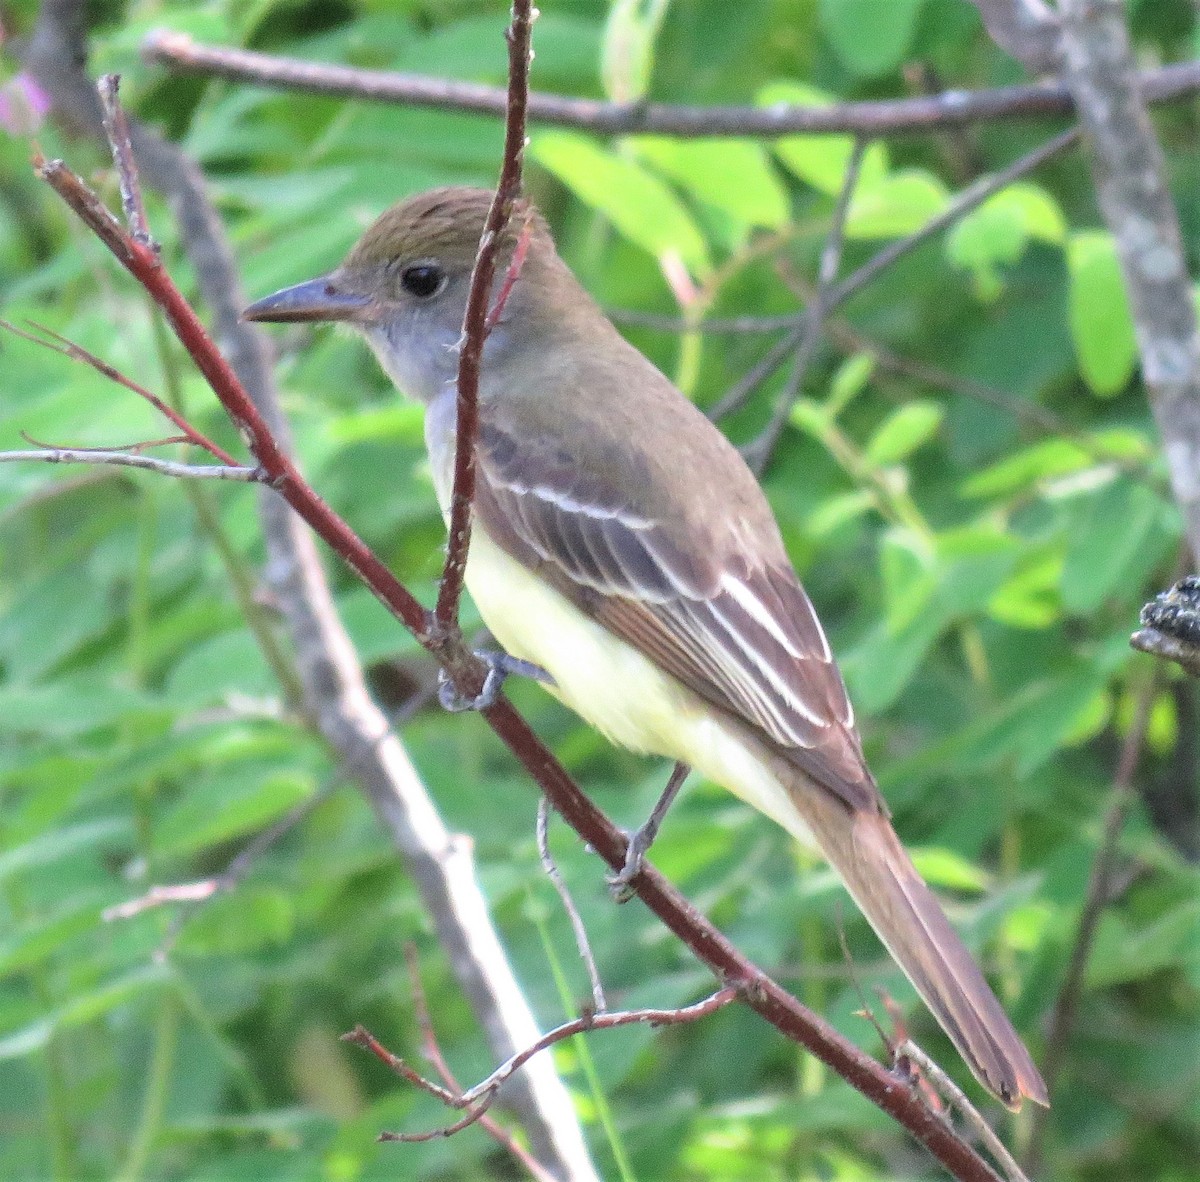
(622, 544)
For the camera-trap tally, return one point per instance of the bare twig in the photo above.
(1135, 199)
(49, 339)
(759, 450)
(955, 108)
(760, 992)
(970, 198)
(599, 1002)
(433, 1052)
(129, 459)
(475, 318)
(1026, 29)
(948, 1088)
(232, 876)
(116, 127)
(478, 1099)
(1097, 897)
(160, 896)
(609, 1020)
(336, 702)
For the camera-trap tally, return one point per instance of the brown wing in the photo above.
(740, 633)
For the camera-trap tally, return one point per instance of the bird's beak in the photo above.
(315, 301)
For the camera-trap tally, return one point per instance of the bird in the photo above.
(622, 545)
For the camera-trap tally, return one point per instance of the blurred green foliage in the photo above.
(979, 562)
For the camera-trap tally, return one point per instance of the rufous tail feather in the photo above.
(867, 854)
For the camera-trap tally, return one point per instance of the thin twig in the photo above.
(760, 992)
(954, 108)
(1096, 898)
(337, 705)
(433, 1052)
(478, 1099)
(759, 450)
(475, 318)
(609, 1020)
(128, 459)
(232, 876)
(957, 1097)
(599, 1002)
(68, 348)
(116, 127)
(970, 198)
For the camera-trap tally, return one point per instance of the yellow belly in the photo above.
(613, 686)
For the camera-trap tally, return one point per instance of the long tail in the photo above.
(907, 917)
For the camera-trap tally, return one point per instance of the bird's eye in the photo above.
(423, 280)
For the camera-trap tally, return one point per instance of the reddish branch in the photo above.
(478, 1099)
(476, 318)
(53, 341)
(433, 1052)
(955, 108)
(764, 995)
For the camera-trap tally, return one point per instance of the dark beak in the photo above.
(315, 301)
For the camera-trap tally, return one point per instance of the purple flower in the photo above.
(23, 105)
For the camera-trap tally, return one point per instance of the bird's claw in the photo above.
(500, 667)
(620, 884)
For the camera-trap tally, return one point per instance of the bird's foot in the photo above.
(620, 885)
(501, 666)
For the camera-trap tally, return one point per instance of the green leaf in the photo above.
(903, 431)
(638, 204)
(944, 868)
(895, 206)
(999, 229)
(1050, 458)
(1114, 527)
(849, 380)
(229, 802)
(1031, 597)
(998, 232)
(1121, 954)
(704, 168)
(871, 38)
(907, 568)
(627, 52)
(63, 842)
(1101, 326)
(820, 160)
(85, 1008)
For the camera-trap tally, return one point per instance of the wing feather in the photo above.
(740, 633)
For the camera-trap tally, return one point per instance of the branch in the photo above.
(970, 198)
(1024, 29)
(478, 1099)
(761, 993)
(51, 340)
(582, 943)
(433, 1052)
(1098, 896)
(948, 1088)
(758, 451)
(129, 459)
(337, 703)
(1135, 200)
(872, 119)
(476, 319)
